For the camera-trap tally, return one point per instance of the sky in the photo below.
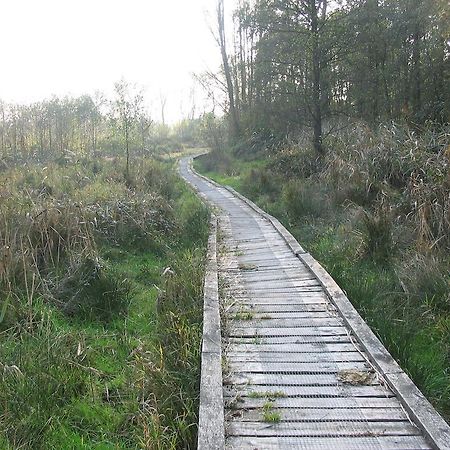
(74, 47)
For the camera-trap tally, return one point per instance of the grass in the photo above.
(269, 415)
(100, 308)
(243, 315)
(267, 394)
(373, 246)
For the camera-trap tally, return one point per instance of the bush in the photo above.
(260, 182)
(296, 161)
(377, 234)
(218, 161)
(426, 279)
(193, 218)
(301, 199)
(89, 292)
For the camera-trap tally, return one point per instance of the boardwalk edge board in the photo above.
(211, 428)
(420, 410)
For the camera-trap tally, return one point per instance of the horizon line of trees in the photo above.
(88, 125)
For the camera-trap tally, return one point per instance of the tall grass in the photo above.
(100, 307)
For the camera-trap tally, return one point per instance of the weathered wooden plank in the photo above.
(310, 429)
(278, 284)
(236, 323)
(280, 297)
(281, 379)
(237, 398)
(286, 359)
(296, 414)
(280, 340)
(284, 350)
(315, 391)
(297, 331)
(211, 431)
(279, 309)
(328, 443)
(254, 315)
(276, 301)
(310, 367)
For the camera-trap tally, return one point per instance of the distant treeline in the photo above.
(297, 63)
(88, 126)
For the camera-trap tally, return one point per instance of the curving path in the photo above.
(295, 366)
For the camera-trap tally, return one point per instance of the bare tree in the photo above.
(221, 40)
(125, 109)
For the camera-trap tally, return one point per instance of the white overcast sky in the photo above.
(72, 47)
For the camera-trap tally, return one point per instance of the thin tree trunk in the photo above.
(226, 68)
(317, 107)
(416, 81)
(128, 152)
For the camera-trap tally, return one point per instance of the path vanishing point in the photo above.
(287, 362)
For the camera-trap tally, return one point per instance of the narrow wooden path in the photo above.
(290, 364)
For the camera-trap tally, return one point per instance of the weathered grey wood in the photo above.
(309, 429)
(323, 391)
(284, 344)
(310, 367)
(257, 316)
(306, 378)
(285, 350)
(282, 359)
(298, 331)
(295, 308)
(327, 443)
(211, 429)
(294, 399)
(285, 323)
(296, 414)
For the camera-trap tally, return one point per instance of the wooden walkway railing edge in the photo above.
(211, 426)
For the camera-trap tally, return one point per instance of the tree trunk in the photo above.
(416, 82)
(226, 68)
(127, 170)
(316, 66)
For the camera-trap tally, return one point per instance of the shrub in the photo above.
(426, 279)
(193, 218)
(90, 292)
(218, 161)
(259, 182)
(138, 221)
(296, 161)
(301, 198)
(377, 234)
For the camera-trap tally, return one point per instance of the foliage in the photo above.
(84, 270)
(299, 64)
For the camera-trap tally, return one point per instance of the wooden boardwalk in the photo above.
(290, 364)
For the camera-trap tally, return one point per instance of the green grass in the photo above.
(121, 371)
(402, 298)
(269, 415)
